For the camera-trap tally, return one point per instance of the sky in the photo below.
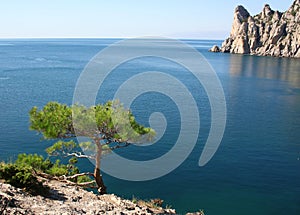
(189, 19)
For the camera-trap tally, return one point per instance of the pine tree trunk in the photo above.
(99, 181)
(97, 174)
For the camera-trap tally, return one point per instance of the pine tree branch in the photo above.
(66, 180)
(79, 155)
(83, 184)
(78, 175)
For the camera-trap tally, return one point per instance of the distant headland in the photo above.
(269, 33)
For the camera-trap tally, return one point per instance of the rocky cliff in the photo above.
(69, 200)
(269, 33)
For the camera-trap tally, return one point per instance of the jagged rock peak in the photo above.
(267, 11)
(241, 13)
(240, 16)
(295, 8)
(269, 33)
(296, 2)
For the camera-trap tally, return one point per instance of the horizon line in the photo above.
(120, 38)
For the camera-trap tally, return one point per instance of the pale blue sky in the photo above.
(204, 19)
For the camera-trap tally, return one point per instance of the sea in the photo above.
(256, 168)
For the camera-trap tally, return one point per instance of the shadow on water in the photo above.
(283, 69)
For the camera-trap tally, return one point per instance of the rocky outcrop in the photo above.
(269, 33)
(215, 49)
(69, 200)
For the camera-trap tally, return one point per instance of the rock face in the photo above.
(69, 200)
(269, 33)
(215, 49)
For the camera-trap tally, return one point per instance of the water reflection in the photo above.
(284, 69)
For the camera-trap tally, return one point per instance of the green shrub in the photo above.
(58, 169)
(34, 161)
(39, 164)
(22, 173)
(73, 160)
(21, 177)
(84, 178)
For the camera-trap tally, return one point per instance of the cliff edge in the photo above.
(269, 33)
(69, 200)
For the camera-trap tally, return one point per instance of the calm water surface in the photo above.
(256, 170)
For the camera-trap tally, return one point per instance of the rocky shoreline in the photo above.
(269, 33)
(70, 200)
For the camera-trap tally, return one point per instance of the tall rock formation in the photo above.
(269, 33)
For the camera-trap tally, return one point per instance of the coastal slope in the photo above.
(64, 199)
(269, 33)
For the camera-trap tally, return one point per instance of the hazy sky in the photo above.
(205, 19)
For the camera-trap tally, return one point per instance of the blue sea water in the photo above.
(256, 169)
